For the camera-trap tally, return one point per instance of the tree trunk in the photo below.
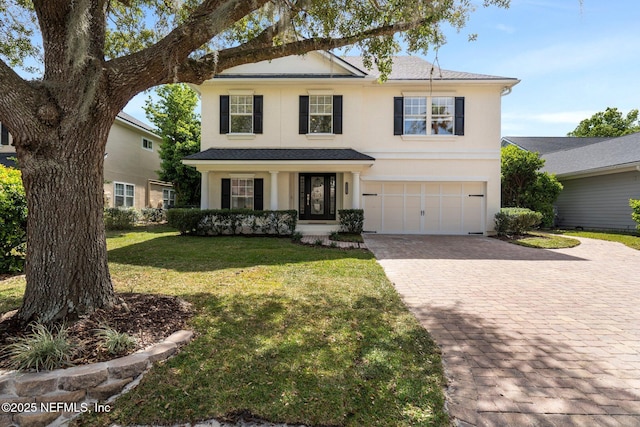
(66, 267)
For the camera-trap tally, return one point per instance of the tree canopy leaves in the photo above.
(524, 186)
(178, 124)
(610, 122)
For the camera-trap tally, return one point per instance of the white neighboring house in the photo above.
(420, 153)
(130, 166)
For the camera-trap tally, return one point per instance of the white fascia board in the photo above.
(426, 178)
(627, 167)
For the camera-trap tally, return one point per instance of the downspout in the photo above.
(506, 91)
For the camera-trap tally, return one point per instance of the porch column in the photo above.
(274, 191)
(355, 197)
(204, 190)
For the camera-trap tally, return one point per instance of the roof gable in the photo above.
(312, 64)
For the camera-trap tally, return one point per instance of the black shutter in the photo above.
(224, 113)
(459, 122)
(226, 193)
(337, 114)
(257, 114)
(398, 115)
(258, 194)
(4, 135)
(303, 125)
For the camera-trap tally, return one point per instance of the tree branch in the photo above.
(18, 102)
(261, 48)
(160, 63)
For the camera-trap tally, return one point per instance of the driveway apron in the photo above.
(529, 336)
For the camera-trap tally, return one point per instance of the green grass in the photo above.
(286, 332)
(545, 241)
(631, 240)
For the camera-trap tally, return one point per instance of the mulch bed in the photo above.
(148, 318)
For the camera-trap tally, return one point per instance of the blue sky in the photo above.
(573, 60)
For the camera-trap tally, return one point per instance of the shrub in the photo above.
(115, 342)
(635, 214)
(42, 349)
(516, 221)
(351, 220)
(231, 222)
(153, 215)
(120, 218)
(13, 221)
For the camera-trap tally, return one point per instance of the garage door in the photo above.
(424, 207)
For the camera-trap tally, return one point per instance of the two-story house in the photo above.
(420, 153)
(130, 165)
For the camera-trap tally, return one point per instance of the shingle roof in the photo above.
(550, 144)
(615, 152)
(415, 68)
(282, 154)
(127, 118)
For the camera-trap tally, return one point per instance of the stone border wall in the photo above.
(53, 397)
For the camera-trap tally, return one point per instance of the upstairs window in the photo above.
(147, 144)
(426, 115)
(320, 114)
(240, 114)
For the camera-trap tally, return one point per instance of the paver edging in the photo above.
(30, 399)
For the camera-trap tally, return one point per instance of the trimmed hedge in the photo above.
(635, 214)
(351, 220)
(516, 221)
(120, 218)
(153, 214)
(215, 222)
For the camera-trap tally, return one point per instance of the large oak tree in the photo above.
(95, 55)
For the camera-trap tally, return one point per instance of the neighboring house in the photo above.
(130, 166)
(599, 176)
(319, 133)
(549, 144)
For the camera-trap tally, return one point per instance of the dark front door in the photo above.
(317, 196)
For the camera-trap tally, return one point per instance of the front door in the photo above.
(317, 196)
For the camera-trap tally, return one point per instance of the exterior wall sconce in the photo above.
(346, 188)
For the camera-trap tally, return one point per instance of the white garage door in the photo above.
(424, 207)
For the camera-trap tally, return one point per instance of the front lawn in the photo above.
(284, 332)
(631, 240)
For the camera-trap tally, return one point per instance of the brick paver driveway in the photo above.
(529, 336)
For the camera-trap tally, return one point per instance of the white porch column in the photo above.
(355, 193)
(204, 190)
(274, 191)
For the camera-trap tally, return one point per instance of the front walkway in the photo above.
(529, 336)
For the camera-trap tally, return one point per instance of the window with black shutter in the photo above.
(241, 114)
(320, 114)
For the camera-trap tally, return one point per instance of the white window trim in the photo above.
(429, 99)
(150, 140)
(241, 135)
(323, 135)
(252, 197)
(115, 194)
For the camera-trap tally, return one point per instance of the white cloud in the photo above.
(505, 28)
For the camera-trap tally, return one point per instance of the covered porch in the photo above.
(314, 182)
